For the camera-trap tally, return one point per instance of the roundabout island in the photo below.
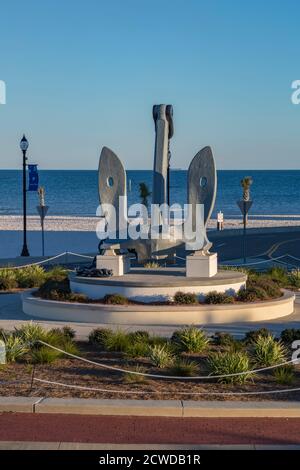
(112, 292)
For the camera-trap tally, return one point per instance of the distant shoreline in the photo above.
(88, 224)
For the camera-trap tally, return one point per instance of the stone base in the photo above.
(202, 265)
(119, 264)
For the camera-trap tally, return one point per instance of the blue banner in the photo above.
(33, 181)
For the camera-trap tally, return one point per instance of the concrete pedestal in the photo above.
(202, 265)
(119, 264)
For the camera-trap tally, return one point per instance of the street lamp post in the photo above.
(24, 146)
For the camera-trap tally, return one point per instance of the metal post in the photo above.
(244, 232)
(42, 223)
(25, 251)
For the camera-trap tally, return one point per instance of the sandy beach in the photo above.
(88, 224)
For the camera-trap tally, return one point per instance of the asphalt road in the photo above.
(148, 430)
(269, 243)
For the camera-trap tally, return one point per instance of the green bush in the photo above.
(68, 332)
(185, 298)
(259, 287)
(252, 335)
(268, 352)
(215, 297)
(139, 335)
(226, 340)
(284, 375)
(53, 289)
(270, 287)
(31, 276)
(57, 273)
(137, 349)
(131, 378)
(44, 355)
(99, 336)
(30, 333)
(223, 363)
(184, 367)
(289, 335)
(190, 339)
(160, 355)
(8, 279)
(156, 340)
(279, 275)
(15, 348)
(79, 298)
(115, 299)
(247, 295)
(116, 341)
(151, 265)
(294, 279)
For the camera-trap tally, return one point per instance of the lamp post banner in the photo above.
(33, 181)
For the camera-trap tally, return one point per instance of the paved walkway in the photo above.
(149, 430)
(11, 315)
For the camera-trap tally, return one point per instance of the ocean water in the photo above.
(72, 192)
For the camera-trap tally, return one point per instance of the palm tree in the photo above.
(246, 182)
(144, 194)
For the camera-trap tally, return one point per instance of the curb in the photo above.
(166, 408)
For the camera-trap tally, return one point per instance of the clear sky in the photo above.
(84, 74)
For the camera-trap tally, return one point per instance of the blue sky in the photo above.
(84, 74)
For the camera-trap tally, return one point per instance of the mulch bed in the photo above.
(75, 372)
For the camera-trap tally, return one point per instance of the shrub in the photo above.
(252, 335)
(268, 352)
(222, 363)
(294, 279)
(68, 332)
(115, 299)
(246, 295)
(139, 336)
(160, 356)
(215, 297)
(184, 367)
(79, 298)
(15, 348)
(31, 276)
(226, 340)
(57, 273)
(269, 286)
(8, 279)
(69, 347)
(53, 289)
(129, 377)
(289, 335)
(284, 375)
(2, 334)
(151, 265)
(117, 341)
(156, 340)
(99, 336)
(186, 298)
(137, 349)
(30, 333)
(279, 275)
(190, 339)
(44, 355)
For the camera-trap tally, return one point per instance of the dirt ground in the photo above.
(19, 379)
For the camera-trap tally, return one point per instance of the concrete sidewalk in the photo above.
(165, 408)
